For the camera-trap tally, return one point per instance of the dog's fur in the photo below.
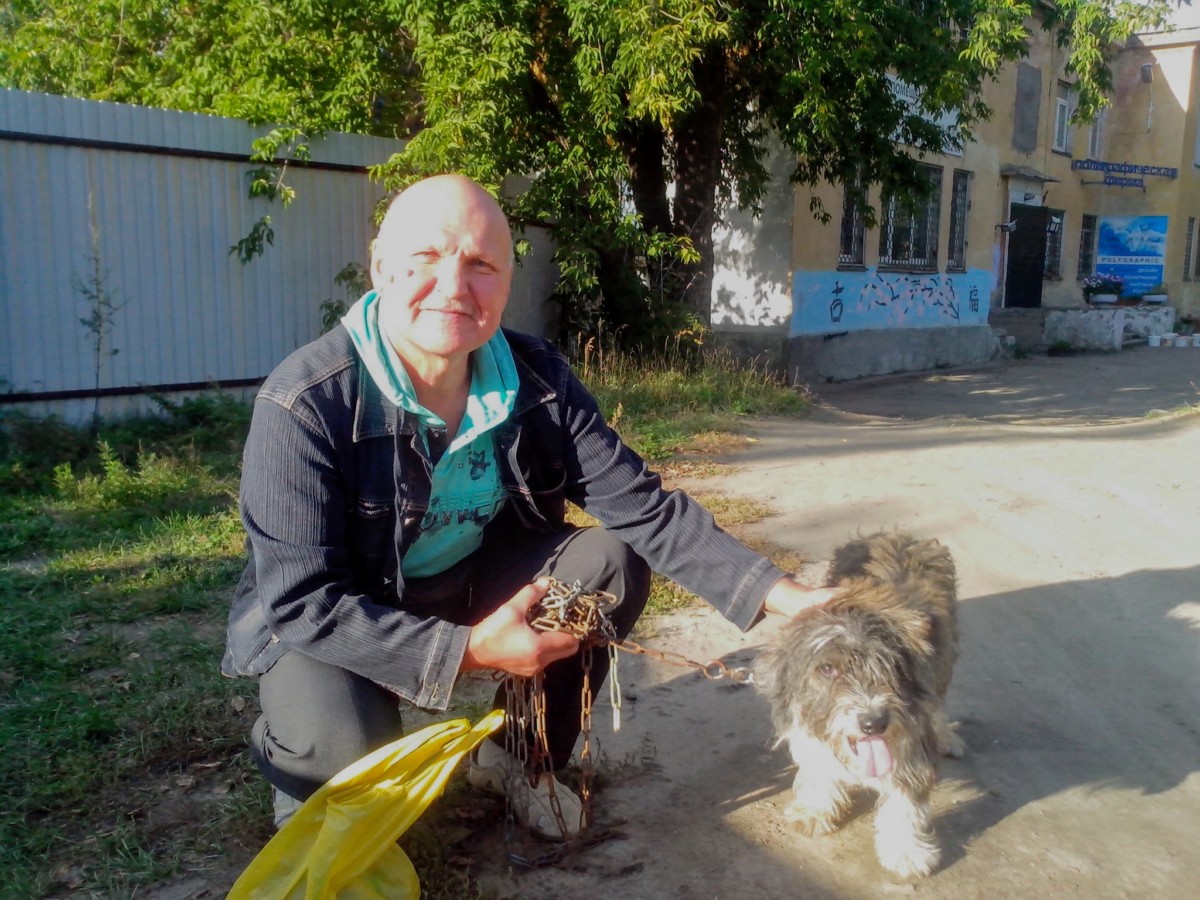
(856, 690)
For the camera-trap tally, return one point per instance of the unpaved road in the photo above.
(1074, 519)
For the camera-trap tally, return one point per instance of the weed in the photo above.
(102, 305)
(660, 404)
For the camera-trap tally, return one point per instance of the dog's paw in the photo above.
(907, 857)
(951, 745)
(810, 822)
(946, 736)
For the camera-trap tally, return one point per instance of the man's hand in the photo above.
(505, 641)
(790, 598)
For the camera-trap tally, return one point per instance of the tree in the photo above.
(629, 122)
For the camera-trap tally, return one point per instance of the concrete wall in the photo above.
(813, 359)
(751, 287)
(1106, 329)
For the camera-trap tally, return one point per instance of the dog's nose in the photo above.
(873, 722)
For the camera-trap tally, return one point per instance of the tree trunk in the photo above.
(644, 146)
(698, 137)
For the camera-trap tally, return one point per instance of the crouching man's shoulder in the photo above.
(330, 358)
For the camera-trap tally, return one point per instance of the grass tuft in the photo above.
(668, 404)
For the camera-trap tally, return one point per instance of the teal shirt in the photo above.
(466, 492)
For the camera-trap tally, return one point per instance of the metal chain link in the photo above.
(584, 615)
(714, 670)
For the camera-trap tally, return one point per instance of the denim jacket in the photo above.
(336, 480)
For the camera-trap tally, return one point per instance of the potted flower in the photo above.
(1156, 294)
(1103, 287)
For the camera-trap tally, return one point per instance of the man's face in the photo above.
(443, 269)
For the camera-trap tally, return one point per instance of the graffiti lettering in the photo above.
(825, 302)
(906, 295)
(836, 307)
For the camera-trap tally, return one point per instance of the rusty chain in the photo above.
(584, 615)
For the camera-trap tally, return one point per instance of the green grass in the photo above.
(662, 406)
(122, 748)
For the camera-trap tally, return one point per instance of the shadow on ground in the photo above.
(1101, 388)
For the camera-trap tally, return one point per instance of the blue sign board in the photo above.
(1134, 248)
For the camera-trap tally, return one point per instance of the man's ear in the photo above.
(377, 278)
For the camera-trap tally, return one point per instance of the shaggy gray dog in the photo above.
(856, 690)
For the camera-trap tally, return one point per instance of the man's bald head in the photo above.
(453, 200)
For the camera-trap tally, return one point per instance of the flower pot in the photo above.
(1154, 298)
(1104, 298)
(1154, 340)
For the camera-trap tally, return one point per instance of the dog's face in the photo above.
(856, 679)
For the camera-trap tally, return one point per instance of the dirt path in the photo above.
(1079, 686)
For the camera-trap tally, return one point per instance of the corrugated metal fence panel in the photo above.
(164, 223)
(70, 118)
(163, 226)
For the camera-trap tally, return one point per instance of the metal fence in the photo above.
(145, 204)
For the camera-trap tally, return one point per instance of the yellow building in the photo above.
(1029, 209)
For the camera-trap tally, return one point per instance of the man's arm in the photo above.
(674, 534)
(294, 506)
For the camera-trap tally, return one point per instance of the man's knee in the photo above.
(598, 560)
(597, 556)
(317, 719)
(301, 762)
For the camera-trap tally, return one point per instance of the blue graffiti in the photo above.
(873, 299)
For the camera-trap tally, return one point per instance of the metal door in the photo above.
(1026, 256)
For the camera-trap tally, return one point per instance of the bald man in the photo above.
(403, 492)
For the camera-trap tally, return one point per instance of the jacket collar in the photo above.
(534, 389)
(376, 416)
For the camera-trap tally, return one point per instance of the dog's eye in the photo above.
(828, 671)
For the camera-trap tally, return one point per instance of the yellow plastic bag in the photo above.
(342, 842)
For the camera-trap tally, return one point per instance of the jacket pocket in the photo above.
(372, 524)
(551, 499)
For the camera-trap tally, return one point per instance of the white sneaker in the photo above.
(496, 770)
(285, 807)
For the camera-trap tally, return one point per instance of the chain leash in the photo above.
(583, 614)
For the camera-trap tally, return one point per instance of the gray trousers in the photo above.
(318, 718)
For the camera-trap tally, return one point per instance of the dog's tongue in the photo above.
(874, 757)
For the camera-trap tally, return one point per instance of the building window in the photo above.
(850, 250)
(1189, 248)
(1052, 268)
(1062, 118)
(1027, 108)
(907, 238)
(1096, 136)
(960, 204)
(1087, 246)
